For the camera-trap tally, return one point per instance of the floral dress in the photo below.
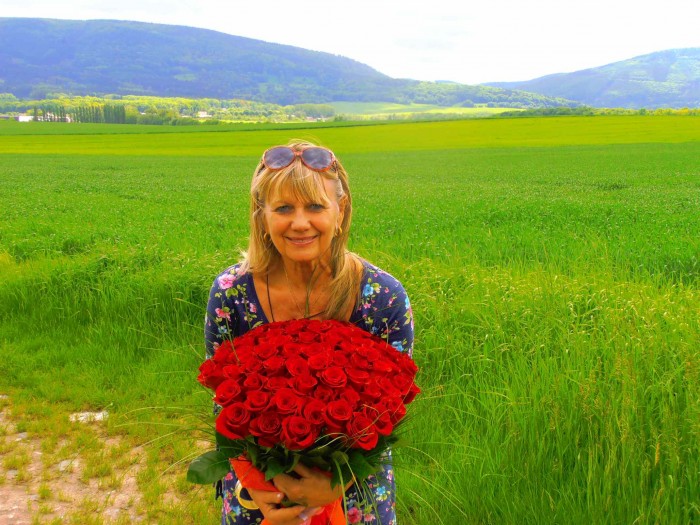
(384, 310)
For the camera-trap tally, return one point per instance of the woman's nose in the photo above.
(300, 220)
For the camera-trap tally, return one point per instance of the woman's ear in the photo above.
(342, 202)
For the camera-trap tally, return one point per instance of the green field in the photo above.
(552, 263)
(386, 109)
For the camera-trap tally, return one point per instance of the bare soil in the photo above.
(32, 491)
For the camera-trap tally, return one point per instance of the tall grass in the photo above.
(555, 290)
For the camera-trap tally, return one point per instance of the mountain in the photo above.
(663, 79)
(44, 56)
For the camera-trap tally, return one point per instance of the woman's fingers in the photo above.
(286, 515)
(269, 503)
(265, 498)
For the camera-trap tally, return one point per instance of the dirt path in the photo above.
(37, 484)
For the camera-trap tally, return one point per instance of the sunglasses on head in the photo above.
(315, 158)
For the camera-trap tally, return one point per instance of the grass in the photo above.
(381, 109)
(552, 266)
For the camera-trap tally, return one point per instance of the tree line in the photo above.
(133, 109)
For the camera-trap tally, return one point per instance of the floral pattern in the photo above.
(383, 310)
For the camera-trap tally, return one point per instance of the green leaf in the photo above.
(360, 467)
(252, 452)
(231, 447)
(274, 467)
(338, 456)
(208, 468)
(295, 461)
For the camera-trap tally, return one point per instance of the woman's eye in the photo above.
(283, 209)
(316, 207)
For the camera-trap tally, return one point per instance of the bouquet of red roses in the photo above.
(324, 393)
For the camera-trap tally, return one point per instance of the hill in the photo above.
(663, 79)
(44, 56)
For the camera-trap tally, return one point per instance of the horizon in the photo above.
(513, 45)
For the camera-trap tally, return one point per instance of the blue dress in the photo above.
(384, 310)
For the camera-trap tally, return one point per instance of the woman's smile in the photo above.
(302, 241)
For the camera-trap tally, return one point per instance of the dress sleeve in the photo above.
(221, 315)
(386, 310)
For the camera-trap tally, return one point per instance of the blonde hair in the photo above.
(307, 185)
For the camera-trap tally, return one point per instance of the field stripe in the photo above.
(486, 133)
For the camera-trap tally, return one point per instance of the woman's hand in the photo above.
(274, 513)
(312, 488)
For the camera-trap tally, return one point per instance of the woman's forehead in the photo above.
(308, 189)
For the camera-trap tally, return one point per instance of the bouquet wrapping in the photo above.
(324, 393)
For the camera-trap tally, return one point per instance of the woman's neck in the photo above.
(303, 275)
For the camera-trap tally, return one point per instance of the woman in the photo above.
(297, 266)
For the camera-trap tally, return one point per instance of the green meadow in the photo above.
(552, 264)
(392, 110)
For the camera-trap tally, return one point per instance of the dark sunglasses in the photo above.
(315, 158)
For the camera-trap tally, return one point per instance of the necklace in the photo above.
(269, 301)
(302, 313)
(306, 312)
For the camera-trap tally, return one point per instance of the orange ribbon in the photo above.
(252, 478)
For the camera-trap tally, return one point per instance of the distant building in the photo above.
(25, 118)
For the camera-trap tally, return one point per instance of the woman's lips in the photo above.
(302, 241)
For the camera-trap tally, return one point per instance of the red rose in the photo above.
(274, 365)
(279, 341)
(313, 411)
(253, 382)
(362, 433)
(313, 349)
(233, 421)
(394, 407)
(266, 427)
(337, 413)
(307, 337)
(265, 351)
(371, 392)
(380, 419)
(286, 401)
(384, 366)
(334, 377)
(320, 361)
(275, 383)
(224, 354)
(411, 395)
(351, 396)
(357, 376)
(292, 349)
(234, 371)
(211, 375)
(298, 433)
(407, 364)
(402, 382)
(340, 359)
(245, 352)
(369, 353)
(227, 392)
(252, 365)
(388, 388)
(358, 361)
(296, 365)
(257, 400)
(324, 393)
(304, 383)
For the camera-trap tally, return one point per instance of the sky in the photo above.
(462, 41)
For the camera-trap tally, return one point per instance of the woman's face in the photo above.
(302, 231)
